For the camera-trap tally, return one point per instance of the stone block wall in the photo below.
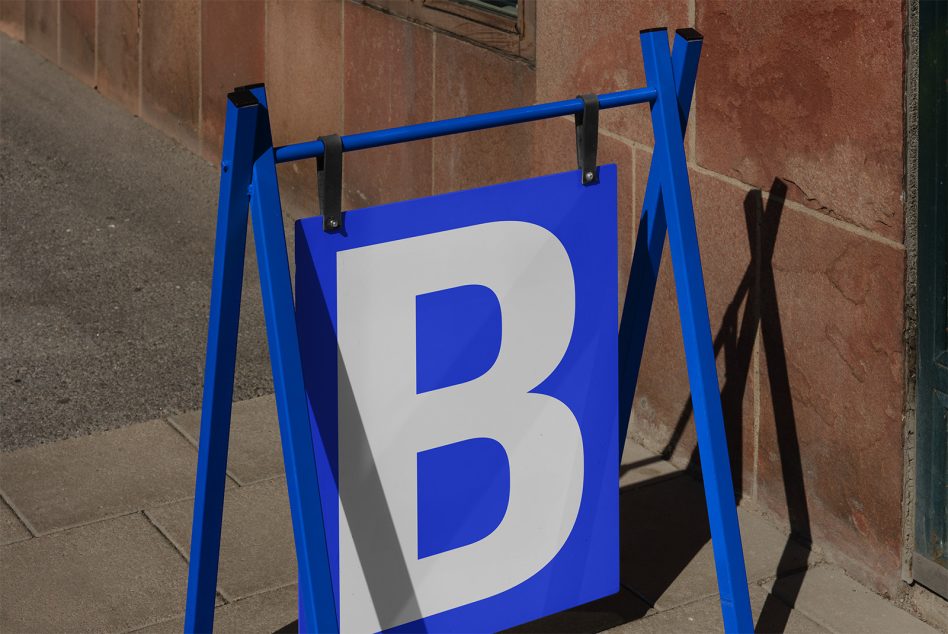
(796, 156)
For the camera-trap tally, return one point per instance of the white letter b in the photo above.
(384, 423)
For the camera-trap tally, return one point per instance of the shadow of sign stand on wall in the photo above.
(379, 397)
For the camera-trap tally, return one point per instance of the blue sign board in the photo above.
(460, 362)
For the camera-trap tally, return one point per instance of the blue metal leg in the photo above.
(670, 164)
(317, 607)
(229, 245)
(650, 239)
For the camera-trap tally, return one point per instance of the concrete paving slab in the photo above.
(665, 548)
(705, 616)
(257, 552)
(591, 617)
(11, 528)
(110, 576)
(930, 605)
(255, 452)
(267, 612)
(641, 466)
(768, 551)
(772, 616)
(81, 480)
(829, 597)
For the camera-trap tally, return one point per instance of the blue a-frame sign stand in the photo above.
(248, 174)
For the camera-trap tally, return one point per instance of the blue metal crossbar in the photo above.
(248, 178)
(470, 123)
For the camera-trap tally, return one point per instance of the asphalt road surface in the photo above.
(106, 245)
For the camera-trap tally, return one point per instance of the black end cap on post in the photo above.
(689, 34)
(250, 87)
(329, 182)
(657, 28)
(242, 98)
(587, 139)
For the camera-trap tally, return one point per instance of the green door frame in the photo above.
(929, 560)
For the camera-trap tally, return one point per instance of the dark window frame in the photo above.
(930, 559)
(491, 29)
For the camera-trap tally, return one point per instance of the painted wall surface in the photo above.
(796, 155)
